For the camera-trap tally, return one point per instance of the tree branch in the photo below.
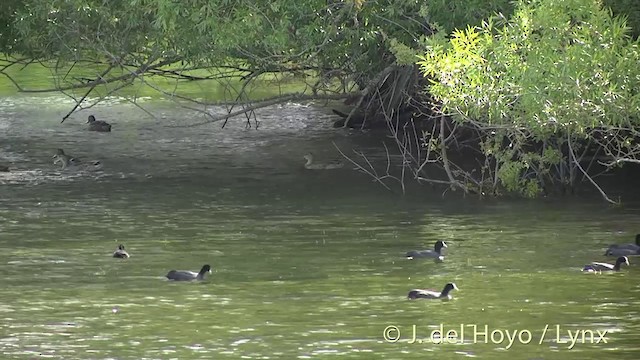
(140, 70)
(78, 103)
(263, 104)
(577, 163)
(371, 86)
(445, 158)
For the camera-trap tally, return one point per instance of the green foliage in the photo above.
(554, 65)
(555, 69)
(628, 8)
(357, 36)
(8, 33)
(510, 175)
(458, 14)
(513, 166)
(404, 55)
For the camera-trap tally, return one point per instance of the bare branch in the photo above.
(78, 103)
(266, 103)
(371, 86)
(359, 167)
(139, 71)
(577, 163)
(445, 158)
(619, 161)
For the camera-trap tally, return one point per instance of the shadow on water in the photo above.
(306, 264)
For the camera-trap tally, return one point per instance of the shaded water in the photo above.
(306, 264)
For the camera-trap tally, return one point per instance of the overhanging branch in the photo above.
(101, 81)
(266, 103)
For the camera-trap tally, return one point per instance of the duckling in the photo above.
(311, 166)
(98, 125)
(121, 252)
(432, 294)
(436, 253)
(635, 246)
(599, 267)
(68, 160)
(184, 275)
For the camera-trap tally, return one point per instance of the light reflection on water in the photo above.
(305, 265)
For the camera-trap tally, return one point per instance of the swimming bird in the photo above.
(68, 160)
(316, 166)
(599, 267)
(635, 246)
(436, 253)
(622, 252)
(120, 252)
(432, 294)
(184, 275)
(98, 125)
(64, 159)
(4, 168)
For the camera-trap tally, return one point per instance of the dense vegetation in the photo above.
(537, 93)
(558, 82)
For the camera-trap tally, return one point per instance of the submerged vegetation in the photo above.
(526, 97)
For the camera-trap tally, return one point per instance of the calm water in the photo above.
(306, 264)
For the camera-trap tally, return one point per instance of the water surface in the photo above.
(306, 264)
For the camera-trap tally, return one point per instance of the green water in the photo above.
(306, 264)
